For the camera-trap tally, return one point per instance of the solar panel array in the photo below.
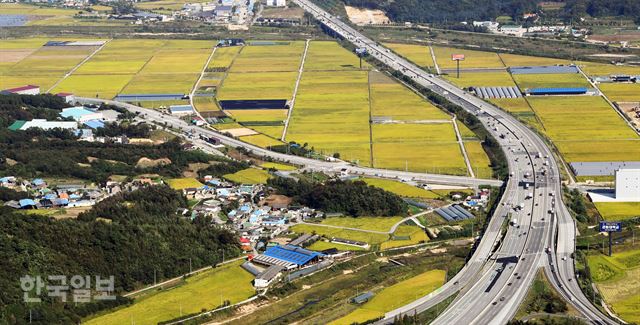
(454, 213)
(497, 92)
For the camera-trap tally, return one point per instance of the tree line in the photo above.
(353, 198)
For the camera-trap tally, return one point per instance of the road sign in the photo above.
(610, 226)
(361, 50)
(457, 57)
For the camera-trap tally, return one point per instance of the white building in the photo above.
(275, 3)
(628, 185)
(24, 90)
(48, 125)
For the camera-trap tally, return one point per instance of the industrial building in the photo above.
(24, 90)
(181, 109)
(42, 124)
(287, 256)
(628, 185)
(81, 114)
(497, 92)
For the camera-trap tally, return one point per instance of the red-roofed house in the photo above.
(24, 90)
(68, 97)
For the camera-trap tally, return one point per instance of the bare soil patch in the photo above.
(13, 56)
(363, 16)
(145, 162)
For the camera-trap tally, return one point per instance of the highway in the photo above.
(496, 278)
(309, 164)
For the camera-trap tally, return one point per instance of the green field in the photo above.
(512, 105)
(261, 140)
(204, 291)
(395, 296)
(175, 61)
(161, 84)
(278, 166)
(481, 79)
(599, 69)
(330, 232)
(266, 58)
(325, 56)
(514, 60)
(401, 189)
(479, 160)
(394, 147)
(258, 85)
(473, 59)
(269, 130)
(250, 115)
(418, 54)
(102, 86)
(321, 245)
(223, 57)
(182, 183)
(332, 114)
(249, 176)
(621, 92)
(366, 223)
(600, 135)
(618, 210)
(551, 80)
(389, 98)
(405, 236)
(618, 280)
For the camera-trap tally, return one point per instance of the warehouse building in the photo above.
(557, 91)
(42, 124)
(80, 114)
(287, 256)
(24, 90)
(181, 110)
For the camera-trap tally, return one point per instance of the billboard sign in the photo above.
(457, 57)
(361, 51)
(610, 226)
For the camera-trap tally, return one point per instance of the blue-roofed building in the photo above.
(274, 221)
(245, 208)
(38, 182)
(288, 256)
(27, 204)
(50, 196)
(556, 91)
(94, 124)
(223, 192)
(80, 114)
(181, 109)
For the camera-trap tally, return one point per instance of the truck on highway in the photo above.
(529, 195)
(521, 206)
(514, 222)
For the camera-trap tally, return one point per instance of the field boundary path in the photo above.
(615, 108)
(295, 90)
(462, 148)
(195, 86)
(78, 66)
(132, 293)
(433, 57)
(391, 230)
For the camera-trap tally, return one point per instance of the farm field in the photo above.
(330, 232)
(418, 54)
(200, 292)
(600, 69)
(473, 59)
(336, 123)
(478, 158)
(394, 147)
(601, 134)
(618, 210)
(618, 279)
(258, 85)
(465, 132)
(251, 115)
(269, 130)
(514, 60)
(401, 189)
(394, 296)
(390, 98)
(223, 57)
(161, 84)
(205, 104)
(481, 79)
(366, 223)
(284, 56)
(329, 55)
(621, 92)
(512, 105)
(182, 183)
(552, 80)
(261, 140)
(405, 236)
(176, 61)
(102, 86)
(278, 166)
(249, 176)
(321, 245)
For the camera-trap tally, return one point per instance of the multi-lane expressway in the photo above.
(540, 231)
